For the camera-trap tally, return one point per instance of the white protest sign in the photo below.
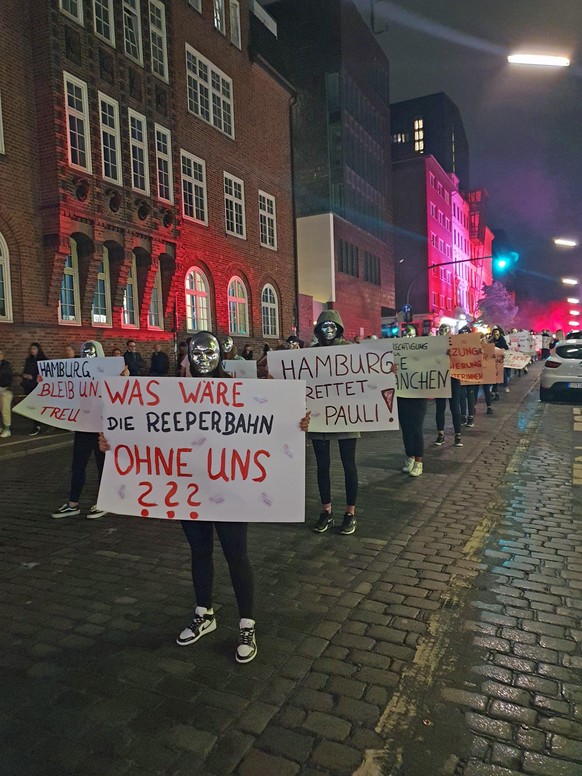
(349, 387)
(242, 370)
(423, 367)
(466, 357)
(514, 360)
(522, 341)
(204, 449)
(538, 342)
(69, 394)
(546, 341)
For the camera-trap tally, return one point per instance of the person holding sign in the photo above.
(329, 330)
(454, 404)
(411, 414)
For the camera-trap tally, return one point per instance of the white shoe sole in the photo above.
(246, 660)
(194, 639)
(96, 515)
(58, 516)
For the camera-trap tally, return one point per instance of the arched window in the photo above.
(238, 308)
(270, 312)
(5, 295)
(197, 301)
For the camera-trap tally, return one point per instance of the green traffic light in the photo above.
(505, 261)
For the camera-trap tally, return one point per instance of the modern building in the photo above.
(141, 194)
(431, 126)
(342, 162)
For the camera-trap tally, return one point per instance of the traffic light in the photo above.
(394, 330)
(504, 262)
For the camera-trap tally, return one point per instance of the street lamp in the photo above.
(565, 242)
(542, 60)
(569, 281)
(572, 300)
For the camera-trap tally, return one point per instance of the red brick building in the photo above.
(146, 175)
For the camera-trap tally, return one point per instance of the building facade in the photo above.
(144, 198)
(342, 162)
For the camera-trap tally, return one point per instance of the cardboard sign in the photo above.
(195, 449)
(514, 360)
(423, 367)
(349, 388)
(242, 370)
(492, 366)
(69, 394)
(466, 358)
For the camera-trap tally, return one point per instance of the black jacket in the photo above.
(30, 368)
(6, 374)
(134, 362)
(160, 365)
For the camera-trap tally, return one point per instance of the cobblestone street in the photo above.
(444, 637)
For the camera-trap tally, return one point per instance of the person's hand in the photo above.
(393, 369)
(304, 422)
(39, 378)
(125, 372)
(104, 445)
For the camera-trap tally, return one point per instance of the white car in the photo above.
(562, 372)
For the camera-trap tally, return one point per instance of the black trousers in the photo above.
(85, 443)
(468, 400)
(347, 448)
(411, 414)
(233, 539)
(454, 404)
(486, 391)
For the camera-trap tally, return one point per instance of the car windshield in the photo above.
(574, 335)
(569, 351)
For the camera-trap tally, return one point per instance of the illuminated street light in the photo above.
(569, 282)
(572, 300)
(565, 242)
(573, 323)
(538, 59)
(574, 312)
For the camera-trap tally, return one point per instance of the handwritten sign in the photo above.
(190, 449)
(466, 357)
(242, 370)
(423, 367)
(349, 388)
(69, 394)
(514, 360)
(492, 366)
(522, 341)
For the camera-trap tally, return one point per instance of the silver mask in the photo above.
(203, 354)
(227, 345)
(328, 331)
(88, 350)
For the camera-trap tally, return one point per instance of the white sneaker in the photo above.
(247, 644)
(408, 464)
(6, 433)
(203, 622)
(507, 390)
(416, 470)
(95, 512)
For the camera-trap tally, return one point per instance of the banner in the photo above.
(349, 387)
(522, 341)
(466, 358)
(243, 370)
(195, 449)
(492, 366)
(69, 394)
(423, 367)
(514, 360)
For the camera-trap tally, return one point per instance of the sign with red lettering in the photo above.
(69, 393)
(466, 358)
(515, 360)
(349, 388)
(204, 449)
(492, 366)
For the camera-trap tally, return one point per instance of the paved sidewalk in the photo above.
(377, 652)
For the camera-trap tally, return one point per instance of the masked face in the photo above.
(328, 331)
(88, 350)
(203, 354)
(496, 334)
(410, 331)
(227, 345)
(444, 329)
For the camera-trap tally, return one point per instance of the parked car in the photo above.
(574, 335)
(562, 372)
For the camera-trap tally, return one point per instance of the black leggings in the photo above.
(411, 413)
(454, 404)
(233, 538)
(85, 443)
(468, 400)
(347, 448)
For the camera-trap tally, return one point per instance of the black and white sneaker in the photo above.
(95, 512)
(203, 622)
(349, 524)
(247, 644)
(490, 410)
(470, 422)
(66, 511)
(325, 521)
(458, 442)
(464, 420)
(440, 440)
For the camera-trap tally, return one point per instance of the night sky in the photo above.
(524, 125)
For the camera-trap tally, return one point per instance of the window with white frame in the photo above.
(197, 301)
(164, 163)
(5, 293)
(2, 146)
(138, 144)
(69, 303)
(196, 4)
(158, 40)
(101, 306)
(77, 114)
(194, 198)
(238, 309)
(235, 31)
(209, 92)
(270, 312)
(110, 139)
(155, 314)
(267, 220)
(132, 30)
(104, 23)
(234, 206)
(130, 314)
(219, 20)
(73, 9)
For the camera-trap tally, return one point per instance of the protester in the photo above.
(411, 414)
(116, 352)
(229, 350)
(205, 361)
(70, 351)
(6, 377)
(247, 353)
(454, 404)
(293, 342)
(160, 363)
(559, 337)
(180, 356)
(262, 368)
(329, 331)
(30, 377)
(467, 395)
(498, 339)
(133, 360)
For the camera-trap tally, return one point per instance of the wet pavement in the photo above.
(444, 637)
